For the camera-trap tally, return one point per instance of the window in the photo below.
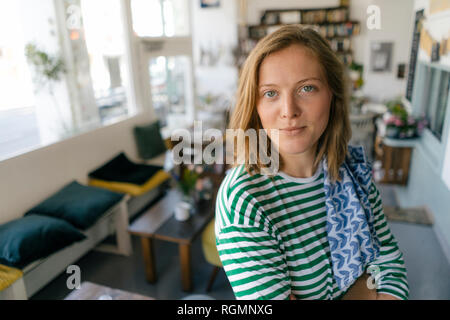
(18, 123)
(435, 98)
(106, 50)
(162, 27)
(169, 86)
(159, 18)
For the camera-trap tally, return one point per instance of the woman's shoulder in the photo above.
(238, 181)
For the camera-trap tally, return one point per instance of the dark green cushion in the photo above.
(149, 140)
(77, 204)
(121, 169)
(33, 237)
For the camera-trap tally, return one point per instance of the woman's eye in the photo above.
(270, 94)
(308, 89)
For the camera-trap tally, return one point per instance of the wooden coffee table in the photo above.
(159, 223)
(92, 291)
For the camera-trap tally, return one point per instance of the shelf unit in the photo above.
(333, 23)
(395, 157)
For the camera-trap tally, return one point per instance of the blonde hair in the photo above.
(333, 142)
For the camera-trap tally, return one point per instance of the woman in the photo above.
(315, 229)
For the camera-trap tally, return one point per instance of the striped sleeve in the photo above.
(389, 268)
(250, 252)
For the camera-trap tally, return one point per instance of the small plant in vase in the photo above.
(186, 183)
(48, 72)
(400, 124)
(393, 126)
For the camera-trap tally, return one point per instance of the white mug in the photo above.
(182, 211)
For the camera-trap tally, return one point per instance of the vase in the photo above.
(410, 133)
(182, 211)
(391, 132)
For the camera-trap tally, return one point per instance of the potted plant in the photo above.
(186, 182)
(400, 124)
(393, 125)
(49, 70)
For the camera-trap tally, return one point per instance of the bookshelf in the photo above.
(333, 23)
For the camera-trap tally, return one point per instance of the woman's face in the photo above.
(293, 96)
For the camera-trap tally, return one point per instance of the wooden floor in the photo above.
(428, 269)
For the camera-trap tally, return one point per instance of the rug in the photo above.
(418, 215)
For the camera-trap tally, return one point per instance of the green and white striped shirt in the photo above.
(272, 241)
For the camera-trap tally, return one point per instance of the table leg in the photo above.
(149, 259)
(122, 235)
(185, 263)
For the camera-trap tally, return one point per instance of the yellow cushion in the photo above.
(209, 245)
(130, 188)
(8, 276)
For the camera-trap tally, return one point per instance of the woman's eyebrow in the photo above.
(301, 81)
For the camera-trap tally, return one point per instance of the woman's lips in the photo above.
(292, 131)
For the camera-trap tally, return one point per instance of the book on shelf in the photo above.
(332, 23)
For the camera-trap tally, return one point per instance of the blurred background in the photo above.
(77, 75)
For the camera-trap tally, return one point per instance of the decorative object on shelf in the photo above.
(356, 73)
(290, 17)
(400, 124)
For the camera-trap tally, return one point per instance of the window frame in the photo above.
(432, 148)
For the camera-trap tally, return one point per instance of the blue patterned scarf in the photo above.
(350, 222)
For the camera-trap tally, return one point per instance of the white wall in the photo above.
(28, 179)
(397, 19)
(215, 29)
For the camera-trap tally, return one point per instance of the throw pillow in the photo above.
(149, 140)
(33, 237)
(77, 204)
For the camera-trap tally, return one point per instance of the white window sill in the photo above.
(87, 129)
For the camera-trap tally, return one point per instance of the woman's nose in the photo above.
(289, 107)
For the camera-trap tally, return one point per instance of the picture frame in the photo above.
(381, 56)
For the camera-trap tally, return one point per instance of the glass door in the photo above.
(170, 87)
(163, 30)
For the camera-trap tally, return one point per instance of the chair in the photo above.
(210, 251)
(363, 131)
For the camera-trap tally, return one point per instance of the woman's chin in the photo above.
(293, 149)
